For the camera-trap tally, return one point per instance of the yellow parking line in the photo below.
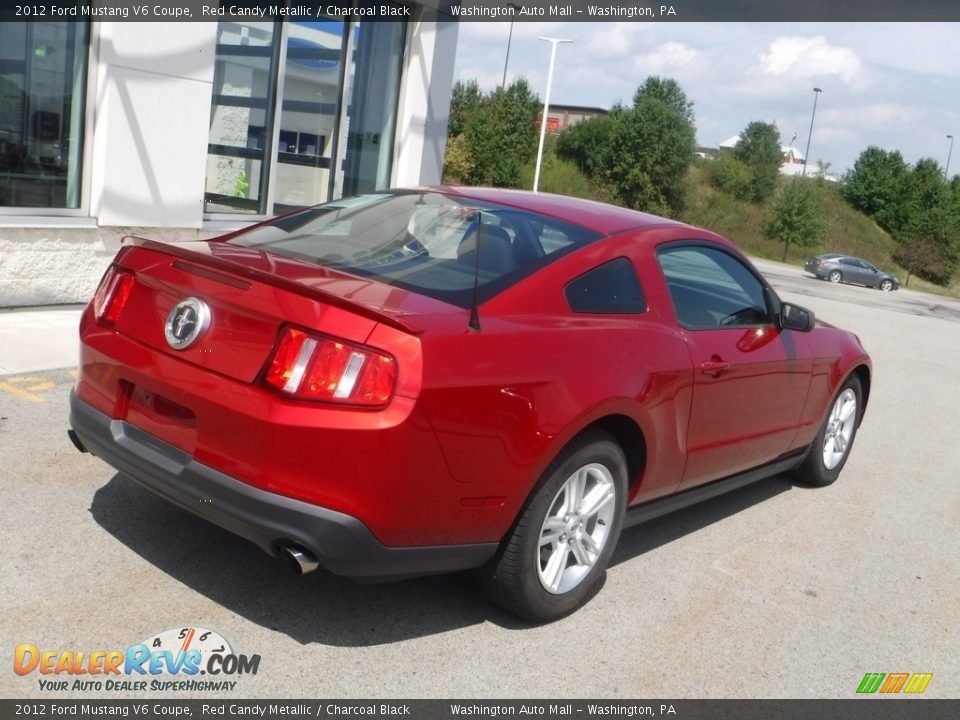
(27, 387)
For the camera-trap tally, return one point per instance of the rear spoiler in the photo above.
(234, 268)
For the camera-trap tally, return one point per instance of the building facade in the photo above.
(561, 117)
(181, 131)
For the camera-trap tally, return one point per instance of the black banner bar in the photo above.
(486, 10)
(872, 708)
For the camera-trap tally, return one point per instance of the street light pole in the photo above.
(506, 62)
(946, 170)
(816, 96)
(546, 105)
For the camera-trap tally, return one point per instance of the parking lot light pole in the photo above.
(506, 61)
(946, 170)
(816, 96)
(546, 106)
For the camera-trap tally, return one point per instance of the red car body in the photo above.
(434, 479)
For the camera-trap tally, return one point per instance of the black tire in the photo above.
(514, 577)
(835, 276)
(886, 285)
(815, 469)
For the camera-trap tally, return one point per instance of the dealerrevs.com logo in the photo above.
(180, 659)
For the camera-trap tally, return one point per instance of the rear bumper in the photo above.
(343, 544)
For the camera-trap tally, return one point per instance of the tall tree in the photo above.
(928, 227)
(501, 136)
(759, 149)
(875, 183)
(795, 218)
(639, 154)
(667, 91)
(491, 137)
(464, 102)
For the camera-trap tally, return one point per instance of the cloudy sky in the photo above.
(894, 85)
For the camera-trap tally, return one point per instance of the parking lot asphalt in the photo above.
(777, 590)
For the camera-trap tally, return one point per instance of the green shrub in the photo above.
(457, 164)
(731, 176)
(559, 176)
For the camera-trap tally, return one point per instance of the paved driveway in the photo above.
(773, 591)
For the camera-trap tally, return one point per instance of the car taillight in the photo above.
(112, 295)
(316, 367)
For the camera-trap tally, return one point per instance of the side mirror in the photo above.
(794, 317)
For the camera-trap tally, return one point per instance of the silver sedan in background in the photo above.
(848, 269)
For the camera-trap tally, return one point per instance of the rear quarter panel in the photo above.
(506, 400)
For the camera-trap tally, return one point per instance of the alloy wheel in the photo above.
(840, 427)
(576, 528)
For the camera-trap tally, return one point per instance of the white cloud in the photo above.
(875, 115)
(671, 57)
(490, 76)
(615, 40)
(812, 58)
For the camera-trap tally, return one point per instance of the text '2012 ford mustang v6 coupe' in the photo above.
(423, 381)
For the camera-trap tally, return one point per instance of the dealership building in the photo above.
(183, 130)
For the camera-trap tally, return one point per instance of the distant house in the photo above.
(791, 162)
(791, 159)
(560, 117)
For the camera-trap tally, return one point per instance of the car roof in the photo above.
(603, 218)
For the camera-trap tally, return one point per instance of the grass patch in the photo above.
(559, 176)
(850, 231)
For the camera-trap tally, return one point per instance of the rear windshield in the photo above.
(422, 241)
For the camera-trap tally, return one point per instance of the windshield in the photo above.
(422, 241)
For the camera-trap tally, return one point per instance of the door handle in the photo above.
(715, 366)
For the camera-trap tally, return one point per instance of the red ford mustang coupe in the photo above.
(422, 381)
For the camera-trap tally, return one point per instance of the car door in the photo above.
(750, 378)
(853, 271)
(871, 276)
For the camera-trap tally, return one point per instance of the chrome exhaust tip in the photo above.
(299, 560)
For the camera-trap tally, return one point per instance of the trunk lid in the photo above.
(250, 294)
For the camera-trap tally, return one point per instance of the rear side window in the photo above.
(611, 288)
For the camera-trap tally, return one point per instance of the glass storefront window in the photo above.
(309, 113)
(276, 140)
(373, 106)
(42, 79)
(241, 116)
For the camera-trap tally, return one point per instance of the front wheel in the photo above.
(555, 558)
(886, 285)
(831, 447)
